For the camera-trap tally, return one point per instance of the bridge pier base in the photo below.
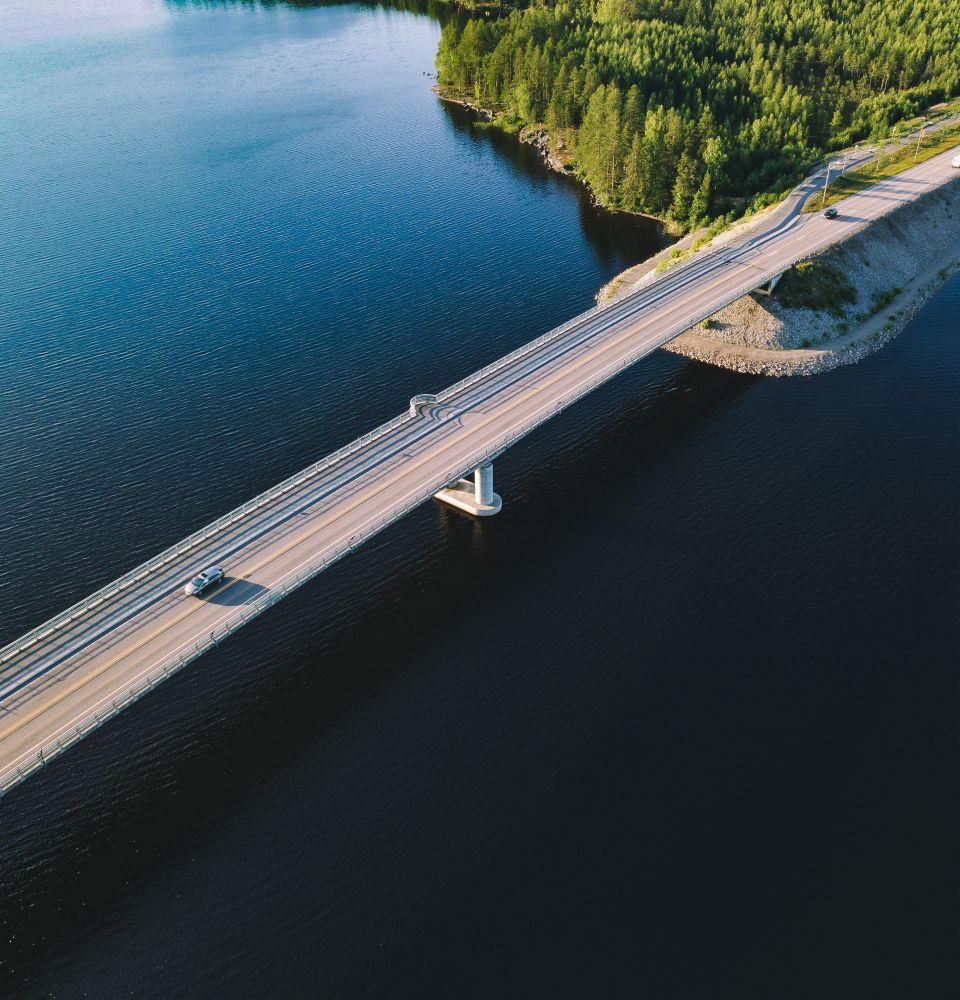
(476, 497)
(768, 288)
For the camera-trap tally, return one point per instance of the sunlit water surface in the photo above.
(679, 723)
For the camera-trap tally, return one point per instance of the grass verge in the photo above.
(886, 166)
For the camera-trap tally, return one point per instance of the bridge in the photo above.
(81, 668)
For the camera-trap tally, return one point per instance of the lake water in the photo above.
(679, 723)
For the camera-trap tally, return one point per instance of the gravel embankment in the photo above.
(914, 248)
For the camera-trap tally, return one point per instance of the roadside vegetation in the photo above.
(816, 284)
(880, 302)
(889, 160)
(688, 109)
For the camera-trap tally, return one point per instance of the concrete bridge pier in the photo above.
(768, 288)
(475, 497)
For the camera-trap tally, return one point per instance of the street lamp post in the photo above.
(826, 184)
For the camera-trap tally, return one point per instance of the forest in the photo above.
(688, 109)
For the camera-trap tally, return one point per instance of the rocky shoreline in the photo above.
(534, 135)
(553, 150)
(888, 272)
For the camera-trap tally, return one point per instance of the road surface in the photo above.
(69, 675)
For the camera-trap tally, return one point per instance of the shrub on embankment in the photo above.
(816, 284)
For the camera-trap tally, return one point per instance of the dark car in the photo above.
(830, 213)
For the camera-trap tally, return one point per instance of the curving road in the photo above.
(74, 672)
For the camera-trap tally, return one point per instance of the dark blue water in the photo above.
(679, 723)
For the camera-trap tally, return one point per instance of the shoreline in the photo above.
(744, 319)
(890, 269)
(868, 338)
(551, 150)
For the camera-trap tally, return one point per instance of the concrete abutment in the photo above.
(475, 497)
(768, 287)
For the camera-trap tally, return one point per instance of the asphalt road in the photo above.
(106, 654)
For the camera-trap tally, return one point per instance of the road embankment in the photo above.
(839, 306)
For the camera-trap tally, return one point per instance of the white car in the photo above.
(203, 580)
(955, 162)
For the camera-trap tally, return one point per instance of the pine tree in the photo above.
(700, 206)
(684, 188)
(631, 185)
(747, 92)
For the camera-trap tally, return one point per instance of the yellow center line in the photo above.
(324, 523)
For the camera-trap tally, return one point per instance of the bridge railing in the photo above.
(518, 355)
(295, 481)
(198, 537)
(108, 708)
(298, 479)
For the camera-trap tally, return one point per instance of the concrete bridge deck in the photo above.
(81, 668)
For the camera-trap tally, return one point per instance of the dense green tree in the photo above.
(700, 204)
(682, 106)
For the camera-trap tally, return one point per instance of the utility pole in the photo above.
(923, 132)
(826, 184)
(892, 149)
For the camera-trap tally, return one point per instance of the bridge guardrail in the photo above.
(191, 541)
(171, 664)
(294, 481)
(298, 479)
(106, 710)
(140, 572)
